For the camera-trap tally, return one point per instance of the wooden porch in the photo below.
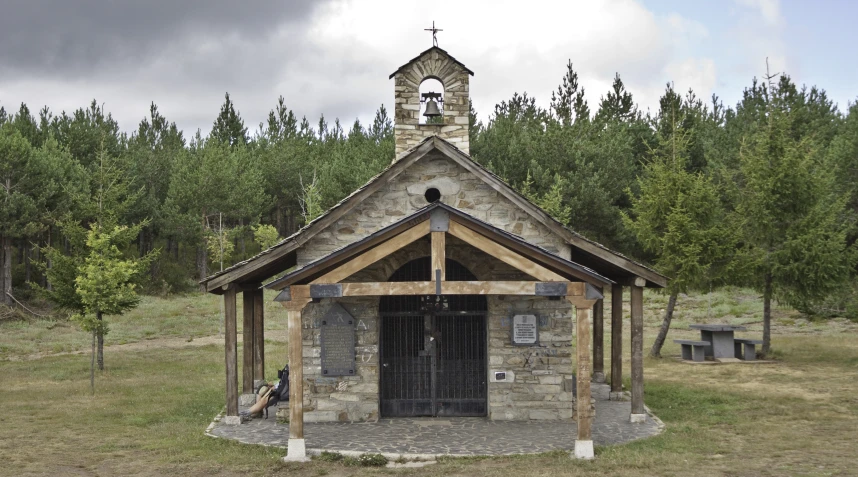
(552, 277)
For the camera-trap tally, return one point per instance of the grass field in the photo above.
(798, 416)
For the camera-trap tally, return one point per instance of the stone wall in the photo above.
(405, 194)
(539, 380)
(342, 398)
(408, 131)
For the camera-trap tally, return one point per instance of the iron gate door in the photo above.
(433, 364)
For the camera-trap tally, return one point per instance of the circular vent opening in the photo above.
(432, 195)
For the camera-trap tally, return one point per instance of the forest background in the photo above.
(761, 194)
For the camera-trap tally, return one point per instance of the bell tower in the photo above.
(435, 113)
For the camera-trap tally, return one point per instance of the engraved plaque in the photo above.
(525, 331)
(338, 342)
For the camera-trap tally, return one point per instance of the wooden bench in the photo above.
(746, 349)
(693, 350)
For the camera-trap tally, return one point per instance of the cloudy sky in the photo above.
(334, 56)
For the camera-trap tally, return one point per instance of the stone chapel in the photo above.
(436, 289)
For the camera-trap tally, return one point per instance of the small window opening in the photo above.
(432, 195)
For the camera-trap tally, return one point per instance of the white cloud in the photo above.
(337, 60)
(512, 47)
(769, 10)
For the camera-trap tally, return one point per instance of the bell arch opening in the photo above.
(431, 101)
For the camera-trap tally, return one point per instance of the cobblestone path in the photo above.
(449, 436)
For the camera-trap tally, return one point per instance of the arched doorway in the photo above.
(433, 348)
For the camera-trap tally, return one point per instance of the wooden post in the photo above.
(297, 450)
(439, 254)
(231, 355)
(638, 413)
(258, 334)
(616, 342)
(247, 339)
(584, 441)
(598, 342)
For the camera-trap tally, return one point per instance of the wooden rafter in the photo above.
(503, 254)
(374, 254)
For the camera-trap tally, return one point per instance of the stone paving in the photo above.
(448, 436)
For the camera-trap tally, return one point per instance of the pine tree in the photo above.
(791, 211)
(678, 218)
(567, 103)
(228, 127)
(105, 282)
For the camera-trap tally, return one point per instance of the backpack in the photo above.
(281, 391)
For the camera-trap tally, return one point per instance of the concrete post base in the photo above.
(637, 418)
(297, 452)
(620, 396)
(598, 377)
(584, 450)
(232, 420)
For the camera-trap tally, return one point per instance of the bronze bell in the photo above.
(432, 110)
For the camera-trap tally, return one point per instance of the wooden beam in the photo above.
(439, 256)
(373, 255)
(296, 368)
(230, 351)
(503, 254)
(297, 292)
(247, 341)
(258, 334)
(598, 342)
(638, 412)
(616, 341)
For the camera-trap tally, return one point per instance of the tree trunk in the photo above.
(655, 352)
(6, 282)
(27, 267)
(2, 273)
(767, 316)
(92, 365)
(100, 343)
(241, 239)
(202, 260)
(48, 285)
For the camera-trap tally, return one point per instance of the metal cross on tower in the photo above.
(434, 31)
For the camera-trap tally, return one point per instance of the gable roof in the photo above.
(282, 256)
(435, 48)
(570, 270)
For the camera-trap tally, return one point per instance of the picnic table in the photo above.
(720, 339)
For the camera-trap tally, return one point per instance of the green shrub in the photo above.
(372, 460)
(326, 456)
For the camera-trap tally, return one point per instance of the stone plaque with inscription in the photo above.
(525, 330)
(338, 342)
